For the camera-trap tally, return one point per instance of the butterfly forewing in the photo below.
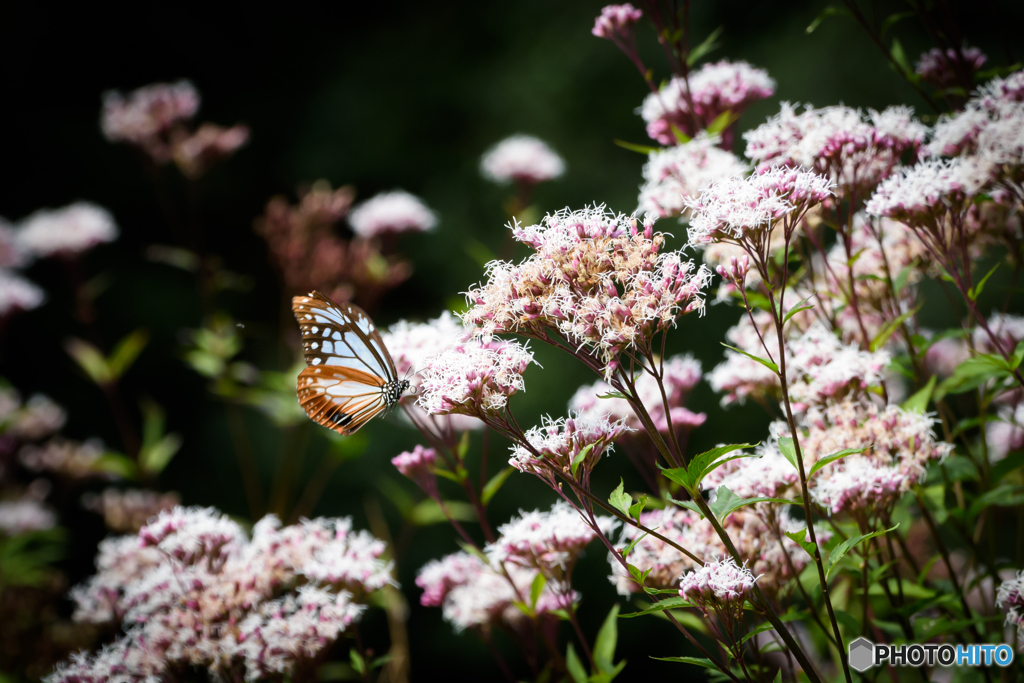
(351, 377)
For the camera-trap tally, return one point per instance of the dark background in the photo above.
(379, 96)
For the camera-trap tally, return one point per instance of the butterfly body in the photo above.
(350, 376)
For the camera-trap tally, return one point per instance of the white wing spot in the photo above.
(309, 317)
(316, 361)
(314, 345)
(314, 329)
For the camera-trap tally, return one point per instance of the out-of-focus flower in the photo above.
(474, 378)
(713, 89)
(146, 116)
(737, 208)
(595, 278)
(65, 458)
(1011, 598)
(559, 442)
(12, 254)
(127, 511)
(37, 418)
(418, 464)
(1005, 433)
(193, 590)
(196, 153)
(545, 540)
(945, 355)
(680, 375)
(17, 293)
(917, 195)
(66, 232)
(25, 515)
(616, 21)
(769, 475)
(1007, 328)
(853, 149)
(938, 67)
(521, 159)
(392, 213)
(411, 345)
(675, 174)
(861, 485)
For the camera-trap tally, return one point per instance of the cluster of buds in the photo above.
(940, 68)
(719, 587)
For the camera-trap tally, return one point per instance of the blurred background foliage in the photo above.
(380, 96)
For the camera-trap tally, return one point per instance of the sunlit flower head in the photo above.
(412, 344)
(391, 213)
(560, 442)
(722, 581)
(616, 21)
(66, 232)
(521, 159)
(474, 378)
(545, 540)
(917, 194)
(939, 67)
(675, 174)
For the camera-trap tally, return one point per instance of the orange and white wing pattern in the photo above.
(351, 377)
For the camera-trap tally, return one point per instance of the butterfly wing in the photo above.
(350, 369)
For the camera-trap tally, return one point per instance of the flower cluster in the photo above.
(1011, 598)
(192, 590)
(746, 209)
(154, 119)
(940, 67)
(474, 378)
(65, 458)
(67, 232)
(418, 464)
(712, 90)
(616, 22)
(855, 150)
(36, 418)
(675, 174)
(720, 587)
(680, 374)
(549, 541)
(25, 515)
(595, 278)
(128, 510)
(521, 159)
(558, 443)
(390, 213)
(921, 194)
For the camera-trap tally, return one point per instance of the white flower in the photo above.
(25, 515)
(521, 158)
(68, 231)
(392, 212)
(474, 378)
(17, 293)
(545, 540)
(675, 174)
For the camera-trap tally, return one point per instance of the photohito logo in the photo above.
(864, 654)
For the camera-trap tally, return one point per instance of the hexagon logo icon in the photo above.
(862, 654)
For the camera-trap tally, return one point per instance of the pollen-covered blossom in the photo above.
(66, 232)
(675, 174)
(616, 21)
(391, 213)
(595, 278)
(521, 159)
(129, 510)
(939, 67)
(721, 587)
(854, 149)
(560, 441)
(238, 612)
(474, 377)
(739, 208)
(1011, 598)
(680, 375)
(25, 515)
(63, 457)
(147, 115)
(713, 89)
(545, 540)
(473, 594)
(918, 195)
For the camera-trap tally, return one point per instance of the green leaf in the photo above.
(358, 663)
(463, 448)
(696, 661)
(126, 351)
(614, 394)
(681, 137)
(796, 309)
(536, 588)
(1008, 464)
(973, 373)
(157, 448)
(888, 23)
(721, 122)
(888, 330)
(660, 606)
(478, 251)
(495, 483)
(800, 538)
(918, 403)
(89, 359)
(787, 449)
(428, 512)
(1004, 495)
(580, 457)
(689, 505)
(974, 292)
(900, 57)
(620, 500)
(636, 508)
(701, 465)
(643, 149)
(705, 47)
(607, 637)
(727, 502)
(901, 280)
(830, 11)
(574, 666)
(117, 465)
(632, 544)
(767, 363)
(848, 621)
(840, 550)
(832, 458)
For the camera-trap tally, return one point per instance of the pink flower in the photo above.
(474, 378)
(545, 540)
(616, 21)
(1011, 598)
(919, 194)
(675, 174)
(66, 232)
(559, 442)
(521, 159)
(722, 582)
(17, 293)
(418, 465)
(196, 153)
(392, 213)
(147, 115)
(939, 67)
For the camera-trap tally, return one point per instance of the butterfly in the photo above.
(350, 377)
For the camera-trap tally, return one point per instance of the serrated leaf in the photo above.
(536, 588)
(763, 361)
(703, 464)
(607, 637)
(832, 458)
(800, 538)
(705, 47)
(494, 484)
(636, 508)
(840, 550)
(696, 661)
(642, 149)
(918, 403)
(620, 500)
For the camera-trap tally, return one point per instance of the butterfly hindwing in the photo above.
(351, 377)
